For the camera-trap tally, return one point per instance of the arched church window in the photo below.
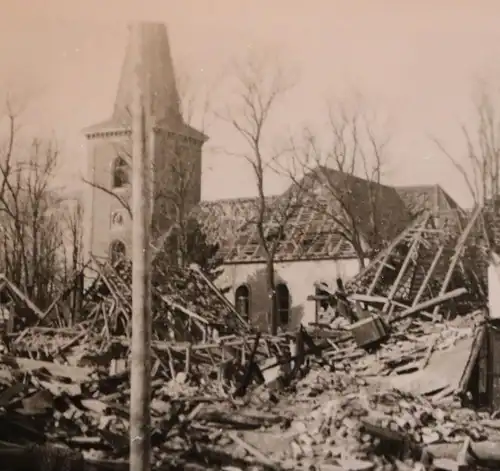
(242, 300)
(117, 251)
(120, 172)
(283, 302)
(117, 219)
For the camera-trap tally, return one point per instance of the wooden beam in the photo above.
(458, 252)
(428, 276)
(384, 256)
(140, 377)
(394, 288)
(431, 302)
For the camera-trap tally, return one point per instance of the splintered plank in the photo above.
(384, 256)
(458, 251)
(75, 373)
(428, 276)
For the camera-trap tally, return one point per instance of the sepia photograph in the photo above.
(249, 236)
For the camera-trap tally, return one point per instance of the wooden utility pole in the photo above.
(140, 375)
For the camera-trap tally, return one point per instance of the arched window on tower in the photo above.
(283, 302)
(117, 251)
(242, 300)
(120, 172)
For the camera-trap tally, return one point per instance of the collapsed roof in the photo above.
(426, 261)
(312, 231)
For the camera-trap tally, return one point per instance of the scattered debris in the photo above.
(399, 376)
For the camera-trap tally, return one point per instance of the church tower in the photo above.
(176, 153)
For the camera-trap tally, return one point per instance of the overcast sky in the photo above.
(417, 62)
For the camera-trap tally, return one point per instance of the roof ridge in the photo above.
(240, 199)
(423, 185)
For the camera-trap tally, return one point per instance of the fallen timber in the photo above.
(201, 404)
(226, 397)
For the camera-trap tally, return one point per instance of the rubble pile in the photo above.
(333, 412)
(87, 409)
(363, 425)
(185, 303)
(410, 343)
(422, 265)
(330, 419)
(389, 383)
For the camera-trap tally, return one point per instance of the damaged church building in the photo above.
(313, 252)
(385, 356)
(430, 246)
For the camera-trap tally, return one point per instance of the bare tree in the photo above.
(71, 221)
(30, 230)
(342, 176)
(259, 86)
(480, 166)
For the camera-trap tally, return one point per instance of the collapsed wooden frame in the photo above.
(415, 272)
(425, 262)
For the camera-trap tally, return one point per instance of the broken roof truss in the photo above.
(307, 232)
(186, 305)
(429, 259)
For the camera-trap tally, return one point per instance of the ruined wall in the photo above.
(299, 277)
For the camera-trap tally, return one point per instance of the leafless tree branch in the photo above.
(258, 88)
(31, 232)
(479, 167)
(352, 149)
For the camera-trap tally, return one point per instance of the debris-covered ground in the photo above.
(332, 412)
(225, 397)
(342, 410)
